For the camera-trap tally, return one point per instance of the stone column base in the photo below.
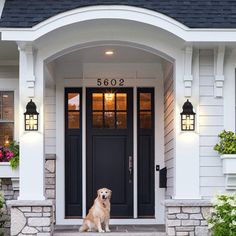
(31, 217)
(187, 217)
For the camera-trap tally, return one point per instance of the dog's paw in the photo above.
(101, 231)
(108, 230)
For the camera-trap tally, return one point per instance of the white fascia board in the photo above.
(2, 3)
(122, 13)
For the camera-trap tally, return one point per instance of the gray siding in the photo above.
(169, 130)
(50, 120)
(211, 120)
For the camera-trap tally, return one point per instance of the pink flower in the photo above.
(5, 154)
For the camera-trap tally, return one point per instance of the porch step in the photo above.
(116, 230)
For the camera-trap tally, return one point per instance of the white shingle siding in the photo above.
(211, 118)
(50, 120)
(169, 130)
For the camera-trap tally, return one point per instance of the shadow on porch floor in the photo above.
(118, 230)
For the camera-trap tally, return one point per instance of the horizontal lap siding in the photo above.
(211, 118)
(50, 120)
(169, 131)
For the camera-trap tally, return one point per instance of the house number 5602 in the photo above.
(110, 82)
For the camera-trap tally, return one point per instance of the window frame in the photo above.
(13, 121)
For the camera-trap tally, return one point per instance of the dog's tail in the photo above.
(84, 227)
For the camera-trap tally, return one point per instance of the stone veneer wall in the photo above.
(10, 190)
(50, 181)
(187, 217)
(50, 176)
(9, 193)
(33, 218)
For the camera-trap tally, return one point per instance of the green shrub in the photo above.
(14, 147)
(223, 219)
(227, 143)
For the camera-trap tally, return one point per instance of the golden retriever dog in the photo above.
(99, 213)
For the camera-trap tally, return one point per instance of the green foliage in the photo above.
(1, 201)
(227, 143)
(14, 147)
(223, 219)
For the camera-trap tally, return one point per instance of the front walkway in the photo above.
(121, 230)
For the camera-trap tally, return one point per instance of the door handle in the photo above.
(130, 169)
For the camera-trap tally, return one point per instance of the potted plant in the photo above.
(9, 161)
(226, 147)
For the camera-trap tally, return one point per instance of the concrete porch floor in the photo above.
(118, 230)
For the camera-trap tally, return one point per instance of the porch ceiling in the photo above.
(122, 54)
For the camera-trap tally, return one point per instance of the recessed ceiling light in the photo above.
(109, 52)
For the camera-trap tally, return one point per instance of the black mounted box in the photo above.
(163, 178)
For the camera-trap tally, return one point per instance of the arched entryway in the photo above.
(145, 57)
(113, 132)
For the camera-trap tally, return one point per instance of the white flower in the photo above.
(233, 212)
(231, 202)
(210, 226)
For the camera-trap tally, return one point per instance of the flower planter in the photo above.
(229, 163)
(7, 172)
(229, 170)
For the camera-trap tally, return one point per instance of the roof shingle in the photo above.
(192, 13)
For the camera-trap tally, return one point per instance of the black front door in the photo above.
(109, 124)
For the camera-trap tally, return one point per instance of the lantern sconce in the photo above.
(31, 117)
(187, 117)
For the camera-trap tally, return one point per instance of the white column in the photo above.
(186, 183)
(31, 142)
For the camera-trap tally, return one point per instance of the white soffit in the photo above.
(119, 12)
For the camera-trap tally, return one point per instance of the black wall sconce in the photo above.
(31, 117)
(187, 117)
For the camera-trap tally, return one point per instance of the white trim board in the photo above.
(112, 222)
(127, 13)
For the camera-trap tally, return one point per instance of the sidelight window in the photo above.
(73, 107)
(145, 110)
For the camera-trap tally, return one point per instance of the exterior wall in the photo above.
(50, 177)
(211, 120)
(50, 120)
(31, 218)
(9, 194)
(169, 129)
(50, 182)
(187, 217)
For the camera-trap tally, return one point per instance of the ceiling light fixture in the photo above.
(109, 52)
